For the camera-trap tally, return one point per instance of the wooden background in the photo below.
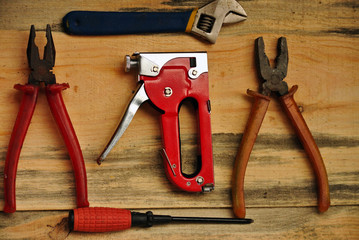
(280, 189)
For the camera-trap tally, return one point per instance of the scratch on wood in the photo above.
(348, 4)
(345, 31)
(281, 141)
(60, 231)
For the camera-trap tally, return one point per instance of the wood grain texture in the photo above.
(323, 60)
(99, 91)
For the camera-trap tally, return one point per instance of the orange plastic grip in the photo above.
(310, 147)
(101, 219)
(258, 111)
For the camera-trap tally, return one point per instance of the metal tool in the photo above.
(41, 73)
(273, 82)
(100, 219)
(166, 79)
(205, 22)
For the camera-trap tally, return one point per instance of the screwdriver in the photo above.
(102, 219)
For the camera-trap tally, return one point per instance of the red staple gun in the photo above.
(166, 79)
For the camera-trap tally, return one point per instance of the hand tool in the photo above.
(205, 22)
(41, 73)
(166, 79)
(100, 219)
(273, 82)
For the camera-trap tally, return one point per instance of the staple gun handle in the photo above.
(202, 180)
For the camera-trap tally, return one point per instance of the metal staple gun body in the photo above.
(41, 73)
(205, 22)
(273, 82)
(166, 79)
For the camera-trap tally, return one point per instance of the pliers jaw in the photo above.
(272, 78)
(41, 69)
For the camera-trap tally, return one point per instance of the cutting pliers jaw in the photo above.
(41, 69)
(272, 78)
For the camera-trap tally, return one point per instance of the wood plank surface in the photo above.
(323, 60)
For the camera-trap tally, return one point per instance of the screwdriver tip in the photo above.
(249, 220)
(99, 160)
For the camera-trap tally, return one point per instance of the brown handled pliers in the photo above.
(273, 82)
(41, 74)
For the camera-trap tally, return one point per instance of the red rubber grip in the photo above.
(100, 219)
(58, 109)
(22, 123)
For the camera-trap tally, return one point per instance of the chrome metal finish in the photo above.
(200, 180)
(150, 64)
(208, 188)
(168, 91)
(209, 18)
(139, 97)
(164, 154)
(130, 63)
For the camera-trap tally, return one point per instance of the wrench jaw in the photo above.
(209, 18)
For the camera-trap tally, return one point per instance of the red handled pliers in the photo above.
(41, 73)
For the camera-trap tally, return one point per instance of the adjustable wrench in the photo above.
(166, 79)
(205, 22)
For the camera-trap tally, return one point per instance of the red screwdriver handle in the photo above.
(99, 219)
(310, 148)
(58, 109)
(17, 138)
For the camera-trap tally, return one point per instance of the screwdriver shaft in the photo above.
(212, 220)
